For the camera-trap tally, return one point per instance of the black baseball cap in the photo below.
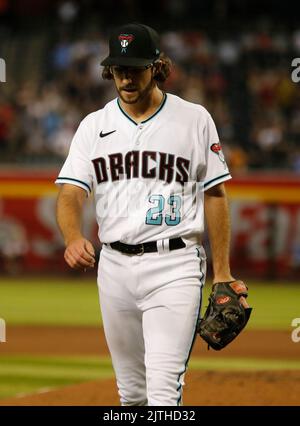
(133, 45)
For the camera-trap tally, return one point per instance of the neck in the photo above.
(145, 107)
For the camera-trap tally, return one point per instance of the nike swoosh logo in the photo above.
(102, 135)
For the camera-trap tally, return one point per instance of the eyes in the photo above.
(120, 71)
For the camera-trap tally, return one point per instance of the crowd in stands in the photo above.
(243, 80)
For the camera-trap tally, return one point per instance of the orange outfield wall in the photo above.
(258, 187)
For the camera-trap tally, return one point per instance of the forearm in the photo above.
(79, 251)
(68, 214)
(218, 225)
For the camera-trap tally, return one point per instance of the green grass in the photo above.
(30, 374)
(274, 305)
(75, 302)
(49, 302)
(19, 374)
(243, 364)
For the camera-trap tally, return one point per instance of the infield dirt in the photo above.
(202, 387)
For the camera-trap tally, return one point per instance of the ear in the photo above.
(156, 67)
(111, 74)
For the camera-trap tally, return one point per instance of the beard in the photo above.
(140, 95)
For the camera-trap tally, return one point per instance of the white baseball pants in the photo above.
(150, 305)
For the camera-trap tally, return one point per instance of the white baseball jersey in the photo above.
(147, 178)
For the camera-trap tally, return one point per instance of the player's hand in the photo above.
(80, 254)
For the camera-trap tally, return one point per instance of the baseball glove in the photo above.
(226, 315)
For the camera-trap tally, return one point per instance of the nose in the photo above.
(126, 81)
(127, 75)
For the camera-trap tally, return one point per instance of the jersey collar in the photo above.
(151, 116)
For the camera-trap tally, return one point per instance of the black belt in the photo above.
(150, 247)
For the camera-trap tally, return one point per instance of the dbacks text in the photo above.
(135, 164)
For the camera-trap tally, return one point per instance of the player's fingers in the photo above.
(79, 251)
(71, 261)
(89, 248)
(84, 259)
(77, 255)
(77, 260)
(81, 254)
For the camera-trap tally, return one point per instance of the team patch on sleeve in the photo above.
(217, 149)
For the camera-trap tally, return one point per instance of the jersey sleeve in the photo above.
(216, 170)
(77, 169)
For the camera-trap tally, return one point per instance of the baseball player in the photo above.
(154, 164)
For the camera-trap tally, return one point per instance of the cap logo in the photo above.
(125, 40)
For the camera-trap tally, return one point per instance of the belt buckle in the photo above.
(140, 253)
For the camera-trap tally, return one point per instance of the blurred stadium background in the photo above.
(234, 57)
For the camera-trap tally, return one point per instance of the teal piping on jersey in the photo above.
(150, 118)
(179, 389)
(217, 178)
(74, 180)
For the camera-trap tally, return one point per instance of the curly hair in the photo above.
(162, 69)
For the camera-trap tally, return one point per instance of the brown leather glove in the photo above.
(226, 315)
